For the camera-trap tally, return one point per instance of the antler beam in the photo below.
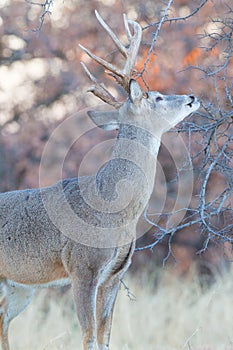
(100, 90)
(130, 52)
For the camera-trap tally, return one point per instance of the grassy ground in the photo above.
(177, 315)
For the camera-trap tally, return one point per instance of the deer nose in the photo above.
(192, 98)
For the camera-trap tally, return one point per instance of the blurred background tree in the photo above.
(187, 48)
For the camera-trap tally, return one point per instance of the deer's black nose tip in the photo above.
(192, 98)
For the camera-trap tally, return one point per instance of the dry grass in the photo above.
(179, 315)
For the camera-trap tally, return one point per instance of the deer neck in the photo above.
(129, 175)
(139, 137)
(109, 204)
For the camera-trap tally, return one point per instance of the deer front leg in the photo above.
(4, 344)
(84, 291)
(14, 299)
(105, 304)
(3, 332)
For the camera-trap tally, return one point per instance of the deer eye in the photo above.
(159, 98)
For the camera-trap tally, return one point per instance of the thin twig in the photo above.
(175, 19)
(130, 295)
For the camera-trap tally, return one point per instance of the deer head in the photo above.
(149, 110)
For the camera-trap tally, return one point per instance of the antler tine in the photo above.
(114, 38)
(99, 89)
(102, 62)
(128, 32)
(133, 48)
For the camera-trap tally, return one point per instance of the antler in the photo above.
(129, 52)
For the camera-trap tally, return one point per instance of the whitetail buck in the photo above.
(42, 245)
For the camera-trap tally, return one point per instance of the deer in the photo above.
(82, 231)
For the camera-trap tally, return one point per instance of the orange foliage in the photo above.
(152, 70)
(143, 58)
(192, 57)
(214, 52)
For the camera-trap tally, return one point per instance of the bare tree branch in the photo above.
(46, 11)
(175, 19)
(155, 35)
(212, 134)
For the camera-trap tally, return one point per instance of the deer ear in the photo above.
(135, 92)
(105, 120)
